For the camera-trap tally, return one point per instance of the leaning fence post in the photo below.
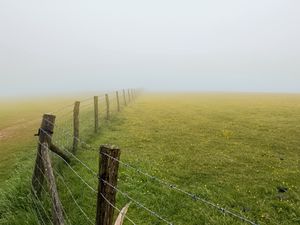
(96, 112)
(57, 212)
(76, 126)
(45, 136)
(108, 176)
(118, 101)
(107, 106)
(124, 97)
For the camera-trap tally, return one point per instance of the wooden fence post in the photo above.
(108, 177)
(118, 101)
(76, 126)
(129, 98)
(124, 97)
(107, 106)
(96, 111)
(45, 136)
(57, 212)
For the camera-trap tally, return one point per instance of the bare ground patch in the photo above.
(10, 132)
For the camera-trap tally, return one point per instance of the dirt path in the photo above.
(9, 132)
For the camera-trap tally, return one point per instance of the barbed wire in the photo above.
(72, 196)
(174, 187)
(80, 100)
(63, 108)
(86, 99)
(73, 155)
(59, 110)
(119, 210)
(74, 171)
(44, 175)
(61, 114)
(88, 185)
(39, 216)
(95, 192)
(96, 175)
(137, 203)
(193, 196)
(36, 198)
(65, 114)
(124, 194)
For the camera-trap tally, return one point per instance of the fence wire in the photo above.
(64, 137)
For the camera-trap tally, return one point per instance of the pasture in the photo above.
(239, 151)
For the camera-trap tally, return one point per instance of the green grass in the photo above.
(231, 149)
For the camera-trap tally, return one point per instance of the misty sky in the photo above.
(209, 45)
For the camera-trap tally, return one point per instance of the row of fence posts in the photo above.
(131, 94)
(108, 166)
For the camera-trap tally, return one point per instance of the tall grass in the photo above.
(237, 150)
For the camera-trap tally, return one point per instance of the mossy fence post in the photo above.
(124, 97)
(96, 112)
(45, 135)
(108, 177)
(57, 211)
(43, 168)
(107, 107)
(76, 126)
(118, 101)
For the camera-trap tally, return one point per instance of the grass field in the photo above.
(236, 150)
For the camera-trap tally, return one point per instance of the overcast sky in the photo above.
(208, 45)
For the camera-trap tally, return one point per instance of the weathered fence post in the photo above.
(107, 106)
(45, 136)
(129, 97)
(108, 177)
(124, 97)
(76, 126)
(96, 111)
(57, 212)
(118, 101)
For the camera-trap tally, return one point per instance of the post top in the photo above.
(49, 115)
(109, 146)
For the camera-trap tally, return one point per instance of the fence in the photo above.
(58, 145)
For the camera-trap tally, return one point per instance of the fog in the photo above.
(50, 47)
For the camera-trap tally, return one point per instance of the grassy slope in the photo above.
(234, 150)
